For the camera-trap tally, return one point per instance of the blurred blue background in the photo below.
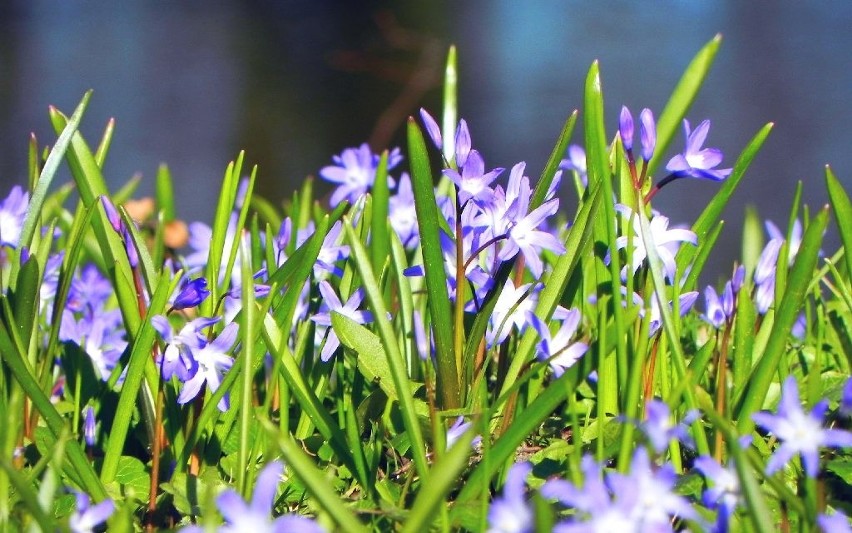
(295, 82)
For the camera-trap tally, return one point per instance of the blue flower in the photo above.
(402, 215)
(799, 432)
(192, 293)
(355, 172)
(695, 161)
(213, 362)
(510, 512)
(665, 240)
(177, 358)
(473, 182)
(256, 515)
(660, 430)
(87, 516)
(558, 349)
(576, 161)
(13, 209)
(332, 304)
(724, 493)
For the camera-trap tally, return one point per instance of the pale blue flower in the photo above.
(13, 210)
(510, 512)
(86, 516)
(213, 362)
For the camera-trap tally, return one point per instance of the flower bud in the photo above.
(625, 128)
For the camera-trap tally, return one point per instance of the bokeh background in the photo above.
(294, 82)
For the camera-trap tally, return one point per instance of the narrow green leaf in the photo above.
(681, 99)
(317, 482)
(15, 360)
(165, 193)
(34, 212)
(752, 396)
(24, 491)
(106, 141)
(451, 112)
(426, 208)
(553, 161)
(140, 354)
(379, 231)
(442, 479)
(394, 357)
(843, 213)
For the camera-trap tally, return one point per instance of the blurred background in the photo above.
(294, 82)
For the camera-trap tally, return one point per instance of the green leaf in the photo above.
(843, 212)
(752, 396)
(165, 193)
(140, 354)
(379, 231)
(428, 214)
(372, 359)
(681, 100)
(317, 483)
(134, 478)
(396, 362)
(451, 112)
(443, 478)
(34, 211)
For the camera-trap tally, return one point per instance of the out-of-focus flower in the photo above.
(511, 309)
(402, 214)
(800, 432)
(800, 327)
(100, 336)
(510, 513)
(354, 171)
(87, 516)
(576, 161)
(724, 493)
(659, 429)
(13, 209)
(256, 515)
(795, 237)
(89, 425)
(457, 430)
(719, 310)
(846, 400)
(834, 523)
(695, 161)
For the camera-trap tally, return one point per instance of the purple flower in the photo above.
(332, 304)
(402, 215)
(118, 225)
(87, 516)
(800, 432)
(100, 336)
(718, 309)
(473, 182)
(660, 430)
(696, 162)
(89, 425)
(355, 171)
(625, 128)
(432, 128)
(191, 293)
(685, 301)
(846, 401)
(558, 349)
(795, 237)
(13, 209)
(255, 516)
(577, 162)
(647, 133)
(510, 512)
(524, 235)
(89, 291)
(177, 359)
(835, 523)
(213, 362)
(458, 429)
(724, 493)
(511, 308)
